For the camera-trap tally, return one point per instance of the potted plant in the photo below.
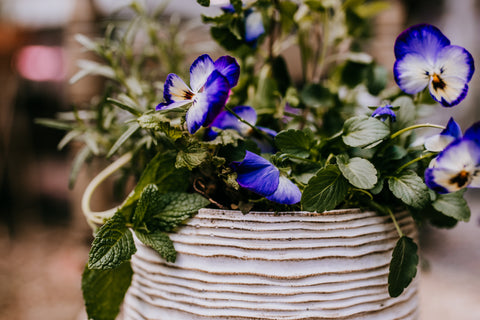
(306, 165)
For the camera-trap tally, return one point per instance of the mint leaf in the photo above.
(453, 205)
(362, 131)
(160, 171)
(160, 242)
(325, 190)
(112, 246)
(295, 142)
(176, 207)
(409, 188)
(403, 266)
(191, 158)
(104, 290)
(359, 172)
(148, 205)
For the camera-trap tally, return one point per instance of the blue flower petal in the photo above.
(423, 39)
(253, 26)
(226, 120)
(286, 193)
(216, 90)
(438, 142)
(209, 103)
(473, 133)
(229, 68)
(383, 113)
(175, 90)
(200, 70)
(409, 73)
(257, 174)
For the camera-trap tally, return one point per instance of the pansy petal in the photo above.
(229, 68)
(423, 39)
(226, 120)
(200, 70)
(253, 26)
(455, 167)
(286, 193)
(216, 93)
(411, 73)
(473, 133)
(175, 89)
(257, 174)
(438, 142)
(454, 68)
(172, 105)
(197, 113)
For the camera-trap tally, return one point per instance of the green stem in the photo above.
(265, 135)
(400, 233)
(390, 213)
(425, 156)
(416, 126)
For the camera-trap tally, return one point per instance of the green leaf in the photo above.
(403, 266)
(104, 290)
(359, 172)
(191, 158)
(125, 107)
(453, 205)
(176, 207)
(295, 142)
(204, 3)
(148, 205)
(325, 190)
(123, 138)
(362, 131)
(316, 96)
(80, 158)
(160, 242)
(112, 246)
(409, 188)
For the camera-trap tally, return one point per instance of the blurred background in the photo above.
(44, 239)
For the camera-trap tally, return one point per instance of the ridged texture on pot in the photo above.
(273, 266)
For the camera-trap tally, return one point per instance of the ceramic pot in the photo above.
(266, 265)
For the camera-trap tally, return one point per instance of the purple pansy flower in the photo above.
(384, 113)
(438, 142)
(260, 176)
(226, 120)
(210, 84)
(458, 165)
(424, 57)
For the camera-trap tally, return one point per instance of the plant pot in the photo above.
(266, 265)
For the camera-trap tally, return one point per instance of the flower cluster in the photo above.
(247, 133)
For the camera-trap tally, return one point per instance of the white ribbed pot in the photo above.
(264, 265)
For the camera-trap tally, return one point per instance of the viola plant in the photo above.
(247, 133)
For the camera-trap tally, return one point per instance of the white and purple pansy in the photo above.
(210, 84)
(458, 165)
(425, 57)
(384, 113)
(260, 176)
(438, 142)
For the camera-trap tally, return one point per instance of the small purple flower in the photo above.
(458, 165)
(438, 142)
(424, 57)
(226, 120)
(384, 113)
(260, 176)
(210, 84)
